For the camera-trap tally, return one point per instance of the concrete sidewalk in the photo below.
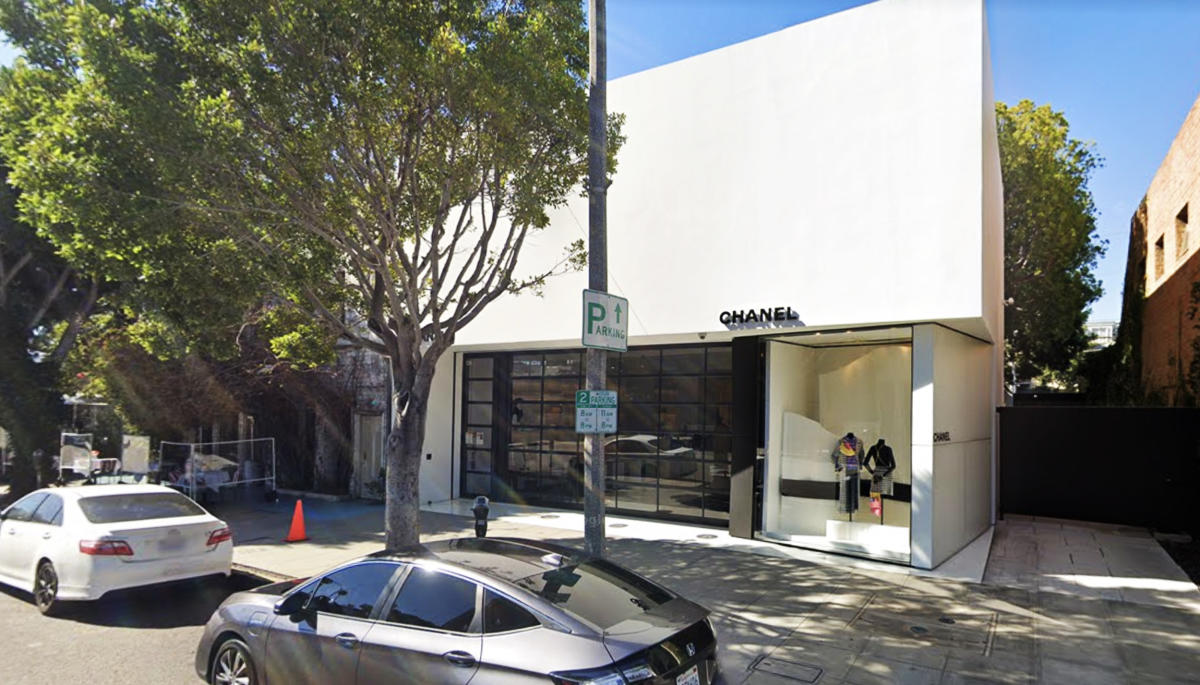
(785, 620)
(1097, 560)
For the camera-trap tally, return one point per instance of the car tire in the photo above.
(45, 589)
(232, 665)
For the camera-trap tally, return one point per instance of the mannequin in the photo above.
(847, 458)
(880, 462)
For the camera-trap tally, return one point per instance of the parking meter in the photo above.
(481, 516)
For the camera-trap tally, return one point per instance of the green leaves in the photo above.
(1051, 246)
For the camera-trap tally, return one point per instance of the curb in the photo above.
(272, 576)
(304, 494)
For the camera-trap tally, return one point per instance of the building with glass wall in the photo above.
(808, 227)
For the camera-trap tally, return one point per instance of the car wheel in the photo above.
(45, 589)
(233, 665)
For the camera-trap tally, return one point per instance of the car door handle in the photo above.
(347, 640)
(459, 658)
(46, 536)
(12, 531)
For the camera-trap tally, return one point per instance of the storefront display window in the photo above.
(670, 457)
(838, 458)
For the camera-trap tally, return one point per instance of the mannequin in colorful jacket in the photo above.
(847, 458)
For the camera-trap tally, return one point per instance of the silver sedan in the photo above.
(478, 610)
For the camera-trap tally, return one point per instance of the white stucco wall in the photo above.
(437, 472)
(962, 457)
(834, 167)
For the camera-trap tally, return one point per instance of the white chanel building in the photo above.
(809, 229)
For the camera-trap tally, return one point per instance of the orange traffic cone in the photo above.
(296, 534)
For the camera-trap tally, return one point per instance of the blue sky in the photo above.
(1125, 73)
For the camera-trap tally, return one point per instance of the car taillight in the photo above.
(597, 676)
(219, 535)
(106, 548)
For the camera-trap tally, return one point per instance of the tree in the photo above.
(43, 304)
(1050, 240)
(381, 164)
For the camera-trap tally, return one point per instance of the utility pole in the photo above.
(593, 443)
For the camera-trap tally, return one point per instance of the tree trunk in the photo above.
(403, 450)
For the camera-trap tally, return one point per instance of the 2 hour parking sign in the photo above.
(605, 321)
(595, 411)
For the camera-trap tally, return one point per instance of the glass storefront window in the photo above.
(720, 359)
(674, 414)
(526, 413)
(718, 390)
(816, 495)
(638, 389)
(527, 389)
(478, 483)
(682, 388)
(683, 360)
(564, 364)
(480, 367)
(527, 365)
(682, 417)
(478, 437)
(637, 417)
(640, 362)
(559, 415)
(479, 414)
(526, 438)
(562, 389)
(719, 418)
(479, 391)
(479, 460)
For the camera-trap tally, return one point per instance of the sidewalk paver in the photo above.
(1095, 560)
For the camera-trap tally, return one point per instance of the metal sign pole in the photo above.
(597, 359)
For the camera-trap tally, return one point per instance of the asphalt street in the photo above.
(137, 636)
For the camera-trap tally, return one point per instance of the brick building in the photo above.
(1164, 263)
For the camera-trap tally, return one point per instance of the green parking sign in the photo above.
(605, 321)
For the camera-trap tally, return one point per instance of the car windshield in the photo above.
(597, 591)
(137, 507)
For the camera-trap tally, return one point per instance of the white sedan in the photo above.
(78, 543)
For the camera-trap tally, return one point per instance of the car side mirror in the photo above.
(291, 604)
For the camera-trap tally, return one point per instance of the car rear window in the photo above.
(597, 591)
(137, 507)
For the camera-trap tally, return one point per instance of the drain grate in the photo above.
(788, 670)
(707, 536)
(618, 525)
(549, 516)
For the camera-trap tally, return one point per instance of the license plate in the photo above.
(172, 544)
(689, 677)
